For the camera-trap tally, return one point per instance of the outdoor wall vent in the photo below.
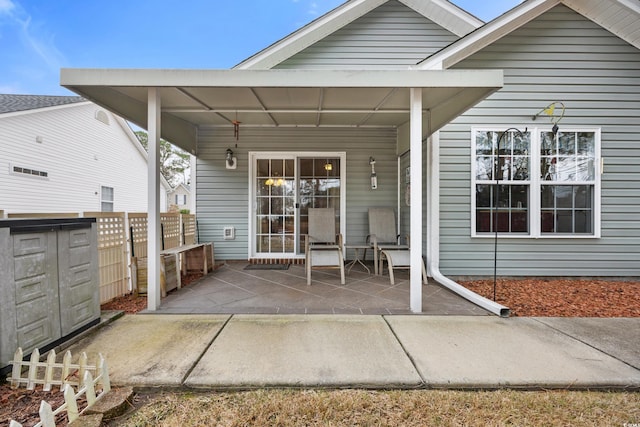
(229, 233)
(101, 116)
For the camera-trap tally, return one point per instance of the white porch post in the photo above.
(415, 132)
(153, 201)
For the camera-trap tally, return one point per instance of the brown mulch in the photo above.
(555, 297)
(132, 304)
(23, 405)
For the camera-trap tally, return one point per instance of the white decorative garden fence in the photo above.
(66, 375)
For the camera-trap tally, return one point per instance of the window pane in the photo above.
(513, 160)
(521, 168)
(107, 193)
(512, 214)
(484, 144)
(566, 143)
(583, 197)
(564, 197)
(547, 144)
(484, 195)
(263, 167)
(567, 209)
(585, 169)
(484, 168)
(586, 144)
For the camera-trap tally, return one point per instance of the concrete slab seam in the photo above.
(585, 343)
(413, 362)
(206, 348)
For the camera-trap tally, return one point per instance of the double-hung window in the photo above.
(536, 183)
(106, 199)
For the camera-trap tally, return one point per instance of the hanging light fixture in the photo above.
(328, 167)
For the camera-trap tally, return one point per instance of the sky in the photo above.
(38, 37)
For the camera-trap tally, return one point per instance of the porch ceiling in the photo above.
(329, 98)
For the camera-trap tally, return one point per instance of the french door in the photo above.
(283, 188)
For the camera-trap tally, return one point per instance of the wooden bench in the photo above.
(198, 256)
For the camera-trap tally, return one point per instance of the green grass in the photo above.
(387, 408)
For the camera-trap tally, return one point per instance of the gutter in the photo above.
(433, 213)
(465, 293)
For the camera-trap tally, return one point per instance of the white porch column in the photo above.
(415, 132)
(153, 201)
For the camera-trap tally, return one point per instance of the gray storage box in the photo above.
(49, 285)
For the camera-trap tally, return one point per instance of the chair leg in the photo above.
(375, 260)
(424, 273)
(390, 266)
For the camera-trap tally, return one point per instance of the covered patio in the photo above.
(182, 105)
(233, 290)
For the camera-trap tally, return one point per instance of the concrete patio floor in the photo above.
(231, 289)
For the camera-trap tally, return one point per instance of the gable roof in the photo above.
(12, 103)
(620, 17)
(442, 12)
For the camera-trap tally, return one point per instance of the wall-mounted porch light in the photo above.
(231, 162)
(374, 176)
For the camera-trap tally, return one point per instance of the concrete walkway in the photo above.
(413, 351)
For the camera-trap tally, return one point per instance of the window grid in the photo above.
(508, 157)
(563, 179)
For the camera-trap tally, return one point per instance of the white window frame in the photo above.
(253, 155)
(535, 183)
(112, 201)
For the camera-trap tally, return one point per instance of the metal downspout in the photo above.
(434, 242)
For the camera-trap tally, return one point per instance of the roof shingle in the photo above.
(11, 103)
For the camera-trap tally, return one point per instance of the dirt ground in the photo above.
(539, 297)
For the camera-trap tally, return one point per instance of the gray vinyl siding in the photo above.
(391, 36)
(223, 195)
(560, 56)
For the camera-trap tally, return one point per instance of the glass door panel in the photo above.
(275, 206)
(319, 186)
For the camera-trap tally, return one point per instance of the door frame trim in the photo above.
(251, 209)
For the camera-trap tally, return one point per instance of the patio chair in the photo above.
(322, 247)
(382, 234)
(399, 259)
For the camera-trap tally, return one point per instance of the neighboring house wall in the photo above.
(223, 195)
(560, 56)
(79, 153)
(179, 198)
(390, 36)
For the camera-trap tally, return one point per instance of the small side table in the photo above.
(357, 258)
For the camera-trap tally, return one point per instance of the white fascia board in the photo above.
(77, 78)
(309, 34)
(488, 34)
(464, 21)
(616, 11)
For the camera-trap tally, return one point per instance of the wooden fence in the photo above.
(66, 375)
(122, 236)
(112, 254)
